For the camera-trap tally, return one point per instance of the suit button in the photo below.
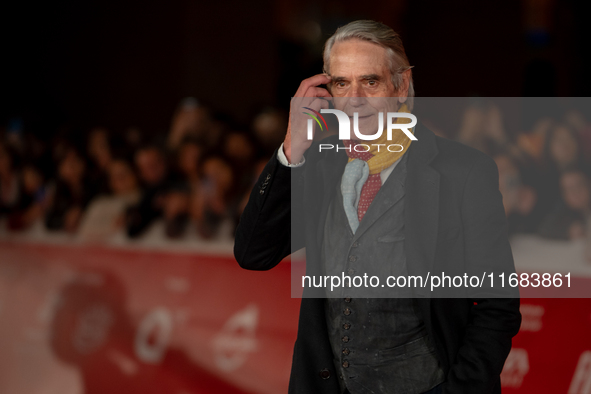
(345, 339)
(348, 299)
(350, 271)
(268, 177)
(325, 373)
(346, 326)
(345, 364)
(346, 351)
(352, 259)
(347, 311)
(261, 192)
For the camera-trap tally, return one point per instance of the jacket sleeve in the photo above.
(263, 236)
(494, 317)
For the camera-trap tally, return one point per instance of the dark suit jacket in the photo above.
(454, 217)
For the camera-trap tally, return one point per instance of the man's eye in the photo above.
(341, 84)
(372, 83)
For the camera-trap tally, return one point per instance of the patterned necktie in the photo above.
(371, 187)
(377, 160)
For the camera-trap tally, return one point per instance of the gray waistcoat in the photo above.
(380, 344)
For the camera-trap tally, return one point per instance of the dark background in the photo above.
(125, 64)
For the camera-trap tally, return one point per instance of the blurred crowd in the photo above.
(195, 179)
(544, 170)
(192, 181)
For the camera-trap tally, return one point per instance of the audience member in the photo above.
(152, 168)
(100, 154)
(104, 216)
(239, 150)
(532, 142)
(269, 129)
(188, 157)
(569, 219)
(33, 199)
(562, 150)
(70, 195)
(519, 199)
(191, 119)
(482, 127)
(577, 121)
(176, 209)
(210, 204)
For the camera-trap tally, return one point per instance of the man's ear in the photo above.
(403, 90)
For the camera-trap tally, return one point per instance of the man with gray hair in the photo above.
(431, 205)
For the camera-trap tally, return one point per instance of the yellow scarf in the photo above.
(384, 158)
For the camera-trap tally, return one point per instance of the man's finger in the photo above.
(317, 92)
(319, 103)
(316, 80)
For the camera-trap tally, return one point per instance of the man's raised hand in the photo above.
(311, 96)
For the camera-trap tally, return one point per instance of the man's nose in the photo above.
(357, 95)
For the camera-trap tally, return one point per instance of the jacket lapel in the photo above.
(388, 195)
(330, 170)
(421, 210)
